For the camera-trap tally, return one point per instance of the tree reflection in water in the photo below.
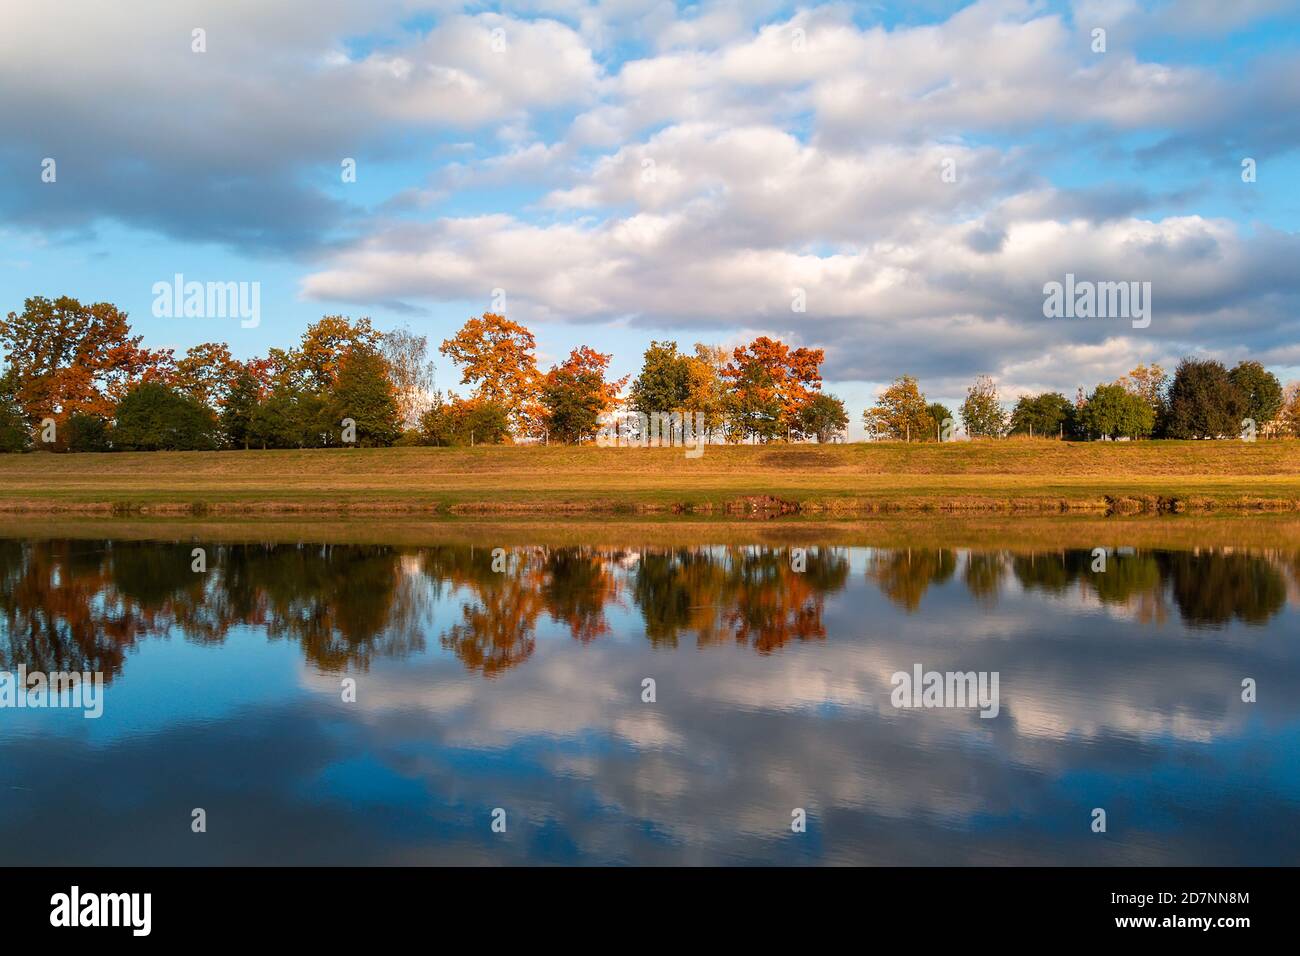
(81, 605)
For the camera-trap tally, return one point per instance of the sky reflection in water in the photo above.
(480, 689)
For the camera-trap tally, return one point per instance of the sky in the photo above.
(892, 182)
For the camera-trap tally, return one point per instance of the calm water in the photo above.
(521, 689)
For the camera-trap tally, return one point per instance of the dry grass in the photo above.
(1024, 476)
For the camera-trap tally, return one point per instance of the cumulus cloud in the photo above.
(945, 297)
(242, 142)
(630, 162)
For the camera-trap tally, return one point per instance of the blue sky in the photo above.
(637, 169)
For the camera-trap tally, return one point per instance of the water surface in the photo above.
(514, 679)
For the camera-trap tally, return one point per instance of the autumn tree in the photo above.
(206, 371)
(498, 358)
(706, 393)
(575, 395)
(982, 411)
(1289, 416)
(464, 421)
(1149, 383)
(67, 357)
(325, 344)
(900, 413)
(770, 383)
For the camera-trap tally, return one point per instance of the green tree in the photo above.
(753, 406)
(900, 413)
(13, 429)
(290, 417)
(572, 410)
(363, 393)
(982, 412)
(242, 397)
(1047, 415)
(664, 382)
(823, 417)
(1204, 402)
(1112, 411)
(1261, 389)
(939, 413)
(85, 431)
(154, 417)
(14, 434)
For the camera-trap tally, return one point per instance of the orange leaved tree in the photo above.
(770, 384)
(67, 358)
(498, 358)
(575, 395)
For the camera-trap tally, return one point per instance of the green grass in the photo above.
(1012, 475)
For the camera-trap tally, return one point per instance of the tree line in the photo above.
(1202, 399)
(76, 378)
(84, 605)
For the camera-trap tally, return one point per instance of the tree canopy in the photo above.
(1046, 415)
(1204, 402)
(75, 377)
(982, 411)
(901, 412)
(498, 358)
(156, 417)
(1112, 411)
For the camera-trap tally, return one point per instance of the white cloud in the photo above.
(624, 161)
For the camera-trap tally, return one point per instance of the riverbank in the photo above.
(1012, 476)
(1016, 533)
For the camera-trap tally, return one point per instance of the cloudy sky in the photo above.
(634, 169)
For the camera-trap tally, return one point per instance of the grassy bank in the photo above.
(984, 477)
(985, 531)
